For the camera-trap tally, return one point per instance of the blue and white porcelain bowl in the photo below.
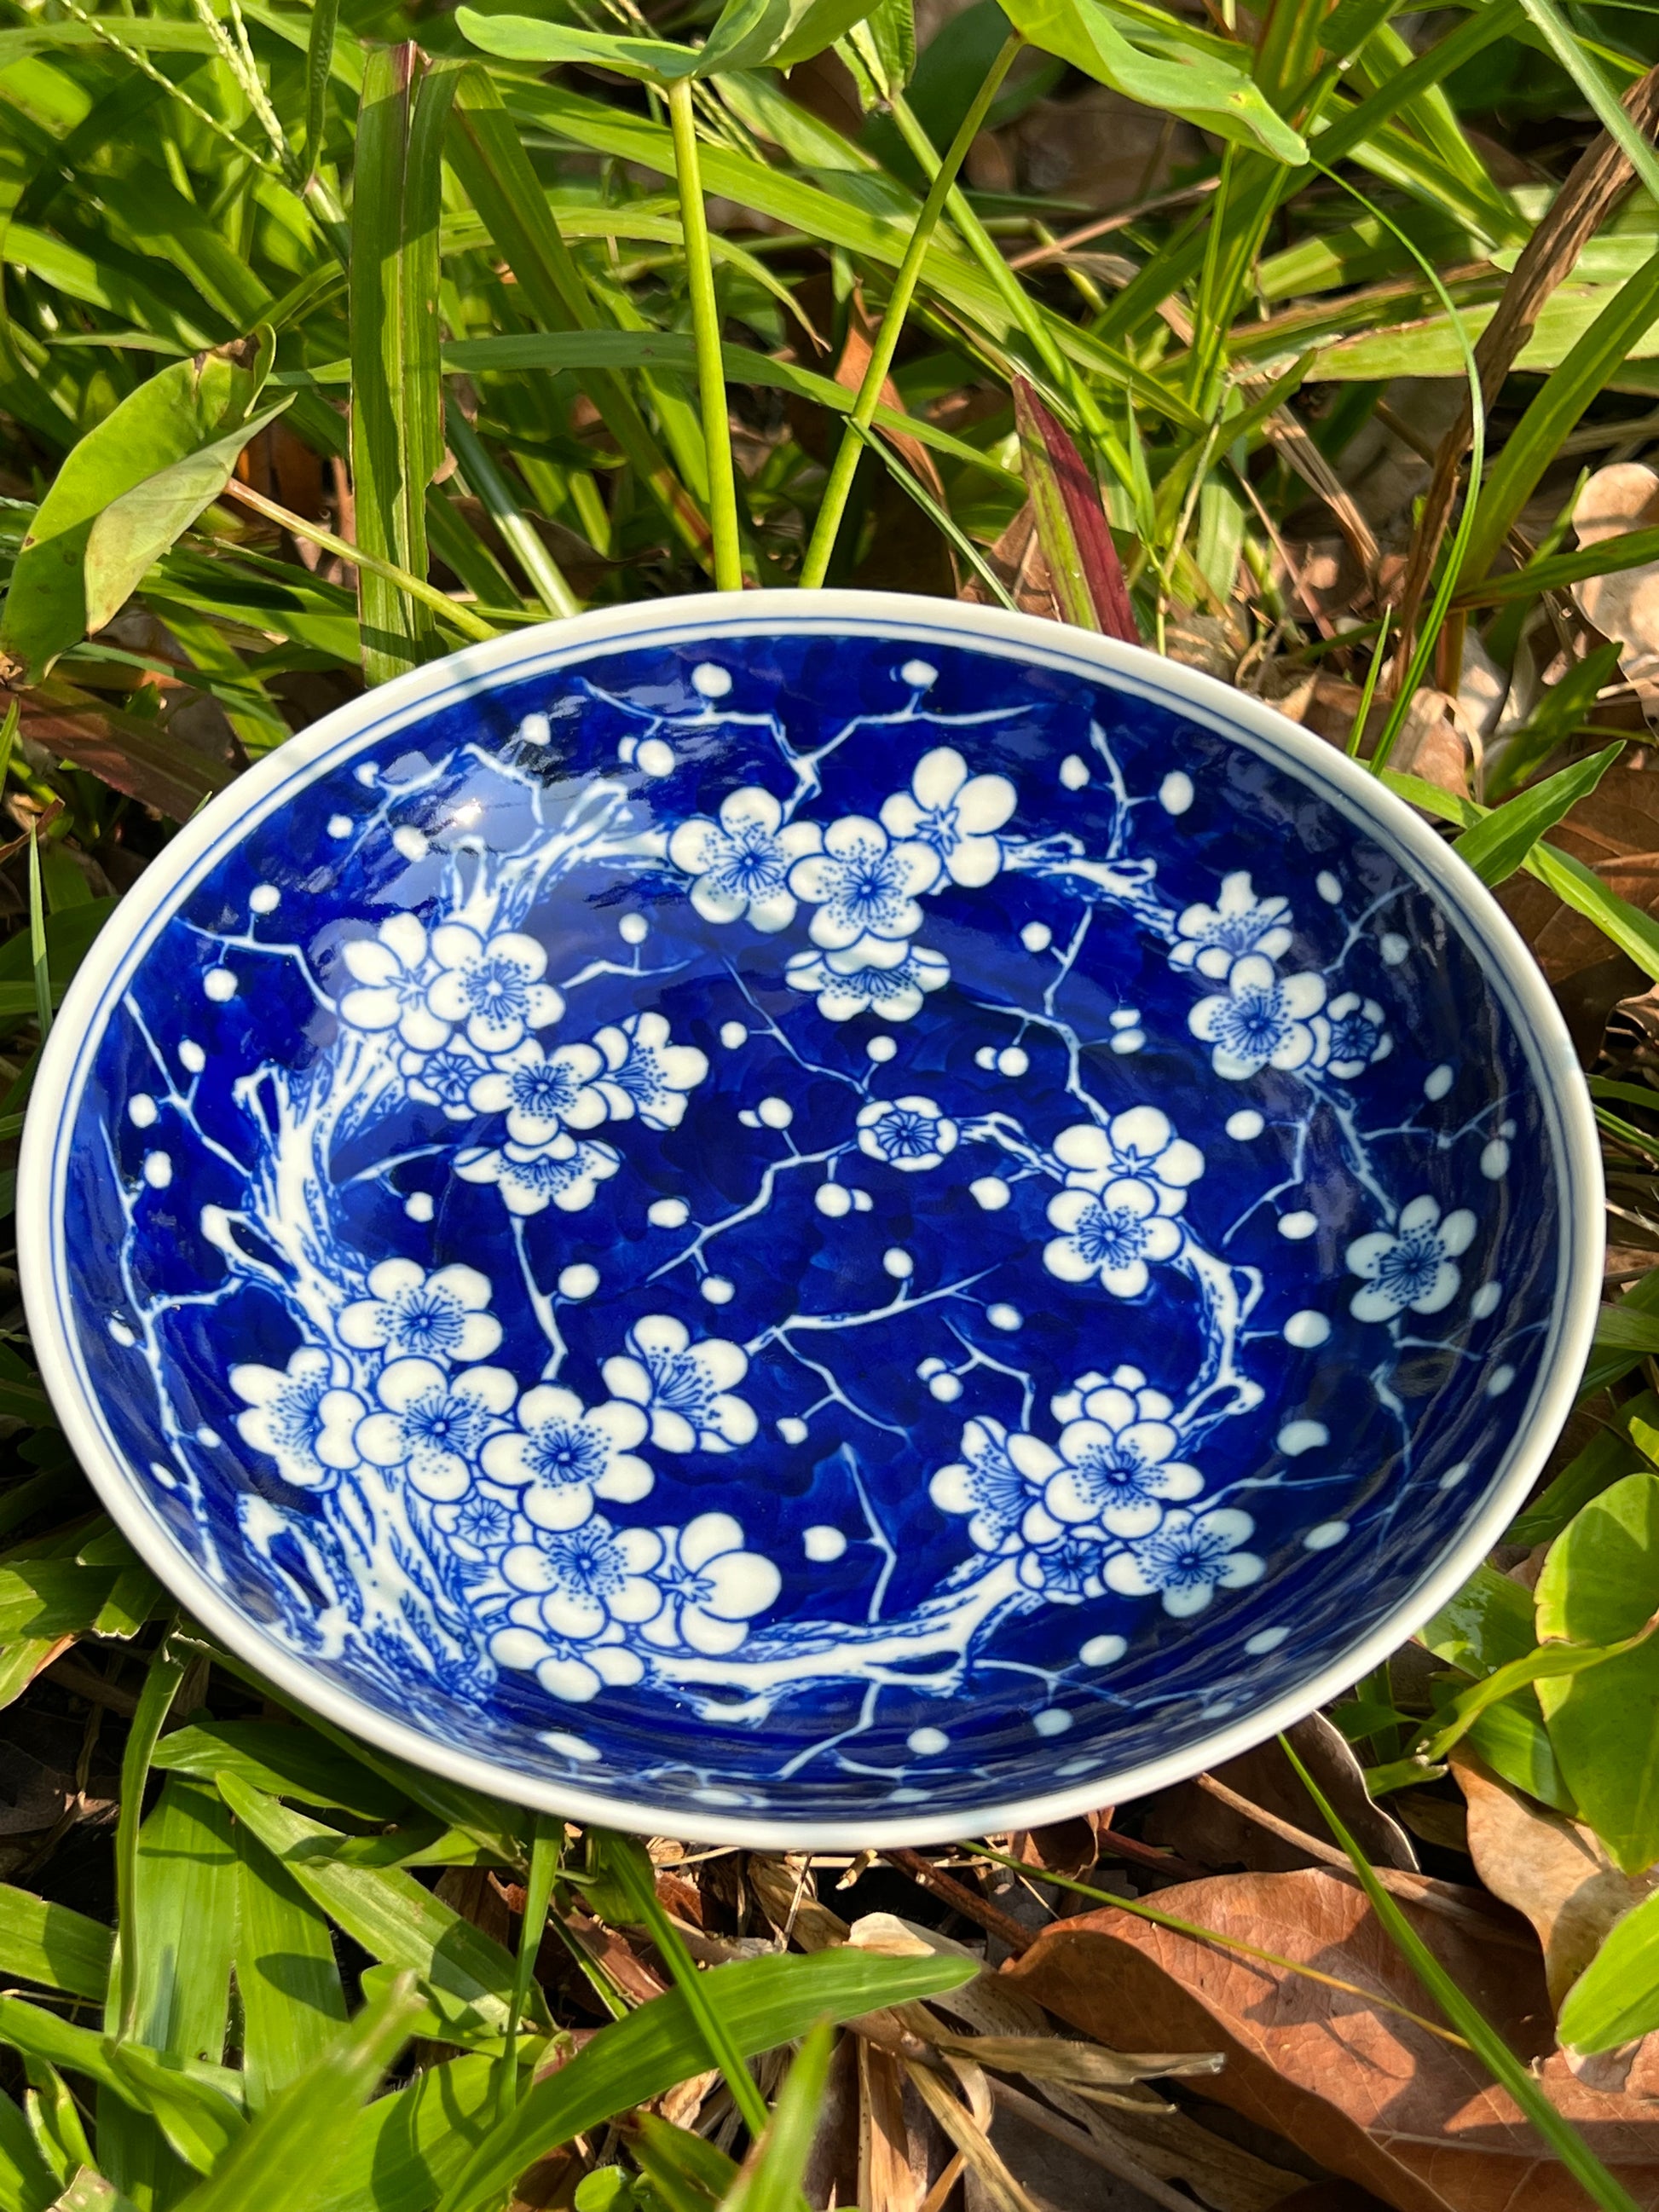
(810, 1218)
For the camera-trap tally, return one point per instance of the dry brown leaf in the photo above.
(1021, 567)
(1555, 1871)
(888, 2178)
(1625, 606)
(1209, 1830)
(1368, 2094)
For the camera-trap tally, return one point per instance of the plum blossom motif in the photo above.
(953, 812)
(1261, 1020)
(433, 1425)
(1114, 1468)
(1350, 1036)
(442, 1315)
(1413, 1266)
(568, 1669)
(1139, 1143)
(492, 988)
(847, 985)
(483, 1523)
(540, 1091)
(1066, 1566)
(1073, 1405)
(1188, 1558)
(444, 1078)
(1110, 1235)
(1211, 938)
(564, 1455)
(565, 1173)
(685, 1387)
(390, 973)
(741, 863)
(864, 886)
(711, 1587)
(583, 1580)
(908, 1133)
(986, 1485)
(645, 1072)
(303, 1417)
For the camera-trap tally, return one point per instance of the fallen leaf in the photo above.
(1372, 2096)
(1556, 1871)
(1625, 606)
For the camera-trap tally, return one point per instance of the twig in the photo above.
(1055, 247)
(963, 1899)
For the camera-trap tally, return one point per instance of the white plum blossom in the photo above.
(1073, 1405)
(492, 988)
(390, 973)
(1211, 938)
(1350, 1036)
(1139, 1143)
(865, 887)
(1114, 1469)
(565, 1173)
(686, 1386)
(908, 1133)
(1412, 1266)
(1066, 1566)
(445, 1078)
(564, 1455)
(570, 1669)
(741, 863)
(986, 1485)
(408, 1312)
(1110, 1236)
(847, 985)
(1186, 1559)
(304, 1417)
(645, 1072)
(711, 1587)
(955, 813)
(580, 1581)
(433, 1424)
(539, 1091)
(1262, 1020)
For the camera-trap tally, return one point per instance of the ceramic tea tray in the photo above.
(809, 1218)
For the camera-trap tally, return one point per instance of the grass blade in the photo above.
(167, 1671)
(706, 331)
(1496, 846)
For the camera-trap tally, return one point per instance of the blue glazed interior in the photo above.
(923, 1645)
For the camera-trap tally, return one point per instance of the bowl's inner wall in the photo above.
(216, 1219)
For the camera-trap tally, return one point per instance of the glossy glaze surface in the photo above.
(809, 1219)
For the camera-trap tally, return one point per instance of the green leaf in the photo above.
(395, 1918)
(397, 398)
(762, 2002)
(1488, 1625)
(771, 2178)
(1083, 563)
(1196, 85)
(287, 1976)
(136, 529)
(1604, 1461)
(171, 416)
(1497, 846)
(26, 2182)
(1626, 1328)
(1560, 711)
(51, 1943)
(1600, 1583)
(302, 2132)
(284, 1762)
(1515, 1743)
(880, 51)
(1616, 1998)
(1549, 1662)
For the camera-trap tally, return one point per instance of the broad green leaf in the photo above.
(1497, 846)
(1560, 711)
(1548, 1662)
(1627, 1328)
(1203, 89)
(1605, 1460)
(1600, 1583)
(26, 2182)
(395, 1918)
(202, 2125)
(284, 1761)
(49, 1943)
(534, 39)
(684, 2167)
(1515, 1743)
(166, 419)
(134, 530)
(1488, 1625)
(287, 1976)
(51, 1597)
(880, 51)
(297, 2138)
(1616, 1998)
(762, 2002)
(198, 2105)
(396, 401)
(90, 2191)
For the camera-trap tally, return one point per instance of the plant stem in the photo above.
(706, 331)
(491, 488)
(167, 1671)
(545, 1853)
(833, 506)
(462, 618)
